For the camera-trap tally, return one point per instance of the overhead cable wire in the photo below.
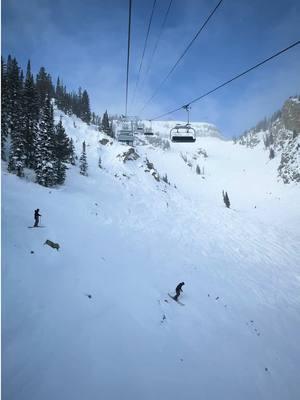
(182, 55)
(144, 50)
(229, 81)
(158, 40)
(128, 55)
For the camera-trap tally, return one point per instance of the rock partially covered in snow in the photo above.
(129, 155)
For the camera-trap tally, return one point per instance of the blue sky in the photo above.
(85, 43)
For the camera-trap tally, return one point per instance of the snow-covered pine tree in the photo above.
(105, 124)
(59, 95)
(198, 170)
(72, 154)
(85, 108)
(45, 159)
(100, 162)
(4, 115)
(14, 97)
(30, 112)
(62, 152)
(83, 165)
(271, 153)
(44, 86)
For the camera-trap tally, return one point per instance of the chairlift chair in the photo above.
(148, 130)
(183, 134)
(125, 134)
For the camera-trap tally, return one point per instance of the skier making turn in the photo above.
(178, 290)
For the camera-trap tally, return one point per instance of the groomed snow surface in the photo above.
(127, 240)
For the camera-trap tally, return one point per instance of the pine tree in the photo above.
(100, 162)
(14, 91)
(85, 114)
(295, 134)
(62, 152)
(45, 147)
(30, 112)
(271, 153)
(226, 199)
(198, 171)
(4, 111)
(83, 165)
(59, 91)
(105, 124)
(72, 154)
(44, 86)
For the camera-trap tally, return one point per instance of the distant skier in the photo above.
(178, 290)
(36, 217)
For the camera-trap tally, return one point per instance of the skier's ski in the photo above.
(30, 227)
(177, 301)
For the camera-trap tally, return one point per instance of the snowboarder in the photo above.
(36, 217)
(178, 290)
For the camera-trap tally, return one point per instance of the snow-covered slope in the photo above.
(127, 240)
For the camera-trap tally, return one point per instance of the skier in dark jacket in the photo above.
(178, 290)
(36, 217)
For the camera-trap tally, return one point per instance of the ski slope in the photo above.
(127, 240)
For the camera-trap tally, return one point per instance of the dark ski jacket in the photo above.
(179, 287)
(36, 214)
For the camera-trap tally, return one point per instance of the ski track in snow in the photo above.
(127, 241)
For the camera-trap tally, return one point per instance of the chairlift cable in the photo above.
(229, 81)
(182, 55)
(144, 50)
(128, 55)
(157, 41)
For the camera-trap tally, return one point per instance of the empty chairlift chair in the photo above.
(125, 134)
(183, 134)
(148, 130)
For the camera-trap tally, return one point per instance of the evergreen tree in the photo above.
(295, 134)
(30, 111)
(100, 162)
(226, 199)
(4, 111)
(105, 124)
(59, 94)
(44, 86)
(85, 114)
(72, 154)
(62, 152)
(83, 165)
(198, 171)
(271, 153)
(14, 98)
(45, 157)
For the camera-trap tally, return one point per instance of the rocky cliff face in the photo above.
(291, 114)
(280, 134)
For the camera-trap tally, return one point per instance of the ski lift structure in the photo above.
(125, 134)
(148, 130)
(183, 133)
